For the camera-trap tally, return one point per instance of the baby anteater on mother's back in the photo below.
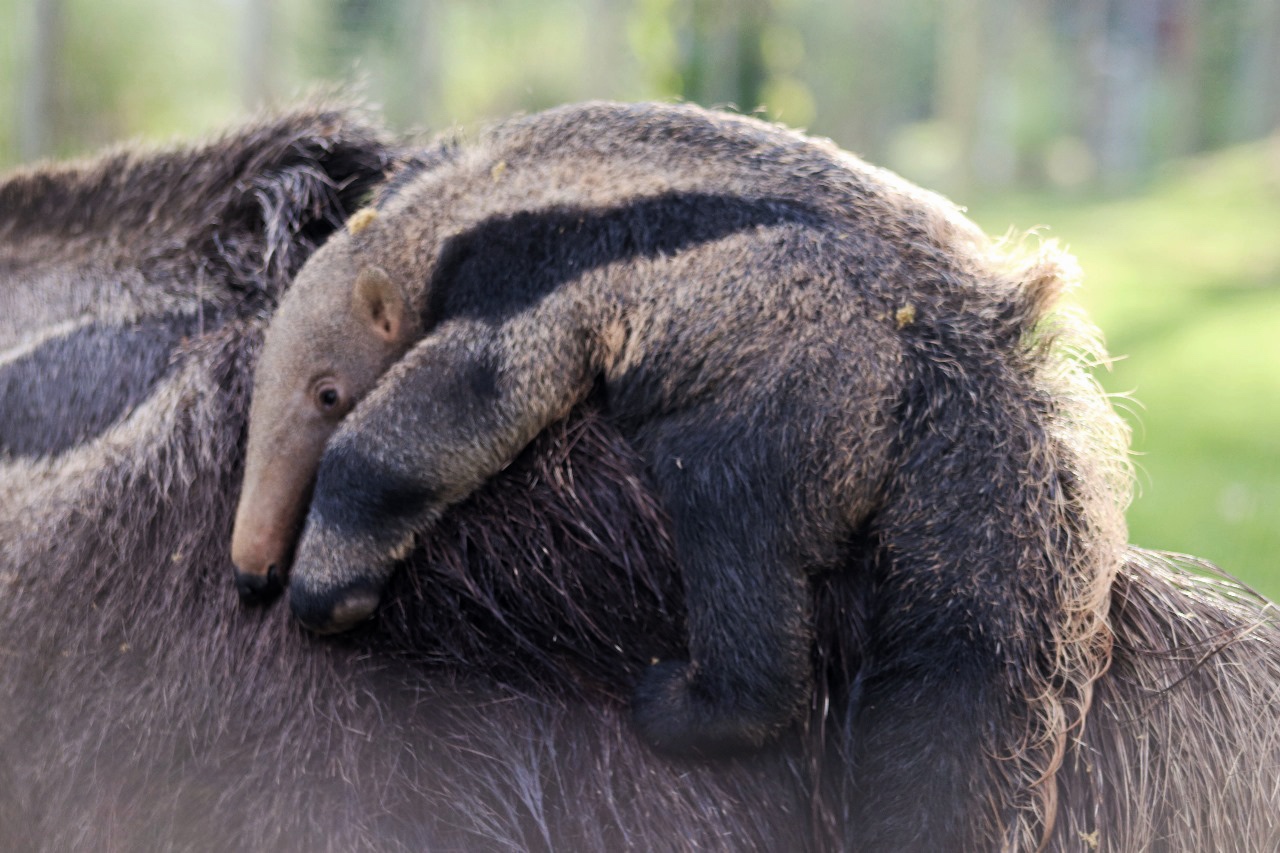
(811, 355)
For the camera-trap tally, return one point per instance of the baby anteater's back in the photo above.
(823, 368)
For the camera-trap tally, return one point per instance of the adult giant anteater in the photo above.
(991, 667)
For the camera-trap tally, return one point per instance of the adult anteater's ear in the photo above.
(378, 301)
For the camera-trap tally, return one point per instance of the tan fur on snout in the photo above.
(269, 515)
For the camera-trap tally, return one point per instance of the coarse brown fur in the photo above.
(734, 292)
(485, 706)
(144, 709)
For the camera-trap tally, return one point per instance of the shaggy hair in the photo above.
(485, 707)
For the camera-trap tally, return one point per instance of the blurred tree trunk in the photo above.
(257, 72)
(959, 84)
(724, 57)
(1118, 53)
(994, 155)
(1090, 55)
(866, 127)
(416, 96)
(1132, 77)
(976, 98)
(606, 45)
(1256, 110)
(696, 64)
(39, 110)
(753, 20)
(1182, 52)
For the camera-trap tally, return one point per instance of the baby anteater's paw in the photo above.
(679, 711)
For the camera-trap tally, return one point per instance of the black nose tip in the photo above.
(259, 589)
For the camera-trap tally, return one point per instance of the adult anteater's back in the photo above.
(994, 668)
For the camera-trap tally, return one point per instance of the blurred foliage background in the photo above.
(1145, 134)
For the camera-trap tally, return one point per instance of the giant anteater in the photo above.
(991, 667)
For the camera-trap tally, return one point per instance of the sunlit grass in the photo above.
(1184, 280)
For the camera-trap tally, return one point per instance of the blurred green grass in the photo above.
(1184, 281)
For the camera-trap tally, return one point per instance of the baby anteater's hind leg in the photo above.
(748, 604)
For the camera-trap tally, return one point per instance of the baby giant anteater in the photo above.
(816, 360)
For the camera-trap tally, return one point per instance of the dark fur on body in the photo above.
(145, 709)
(485, 708)
(736, 293)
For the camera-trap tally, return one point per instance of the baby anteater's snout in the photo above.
(259, 587)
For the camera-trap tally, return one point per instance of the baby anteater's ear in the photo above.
(378, 301)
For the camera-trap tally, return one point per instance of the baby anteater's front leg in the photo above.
(452, 413)
(748, 603)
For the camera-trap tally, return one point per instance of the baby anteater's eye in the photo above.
(327, 397)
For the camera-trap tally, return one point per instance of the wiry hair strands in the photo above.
(1136, 702)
